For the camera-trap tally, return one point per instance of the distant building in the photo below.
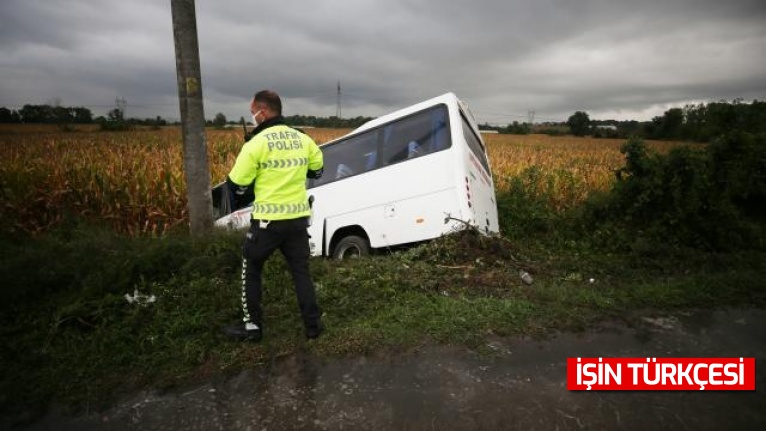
(607, 127)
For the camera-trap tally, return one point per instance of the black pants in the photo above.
(292, 239)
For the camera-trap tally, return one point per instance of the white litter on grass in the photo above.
(140, 298)
(668, 323)
(525, 277)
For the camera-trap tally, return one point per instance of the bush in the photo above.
(527, 205)
(550, 131)
(115, 126)
(599, 132)
(517, 128)
(710, 198)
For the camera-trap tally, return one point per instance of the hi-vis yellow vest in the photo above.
(277, 159)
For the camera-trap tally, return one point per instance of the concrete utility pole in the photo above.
(197, 173)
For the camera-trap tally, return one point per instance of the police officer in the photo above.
(277, 159)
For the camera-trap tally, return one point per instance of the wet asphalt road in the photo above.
(513, 383)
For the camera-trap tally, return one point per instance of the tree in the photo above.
(61, 115)
(36, 114)
(116, 115)
(82, 115)
(8, 116)
(579, 123)
(159, 121)
(115, 120)
(669, 125)
(518, 129)
(219, 120)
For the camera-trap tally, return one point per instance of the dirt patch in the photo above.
(471, 264)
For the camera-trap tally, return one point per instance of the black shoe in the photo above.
(313, 331)
(242, 332)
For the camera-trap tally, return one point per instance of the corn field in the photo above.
(564, 169)
(134, 180)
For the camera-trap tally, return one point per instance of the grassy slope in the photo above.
(71, 336)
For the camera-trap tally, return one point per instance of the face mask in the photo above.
(256, 122)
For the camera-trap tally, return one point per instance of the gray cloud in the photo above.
(621, 59)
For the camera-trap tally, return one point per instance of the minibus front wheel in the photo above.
(351, 247)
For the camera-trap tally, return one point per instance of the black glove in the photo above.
(315, 174)
(240, 196)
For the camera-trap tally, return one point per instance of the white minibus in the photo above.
(406, 177)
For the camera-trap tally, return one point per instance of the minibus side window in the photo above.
(415, 136)
(349, 157)
(401, 140)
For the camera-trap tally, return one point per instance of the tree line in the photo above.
(68, 115)
(701, 123)
(704, 122)
(302, 121)
(46, 114)
(115, 118)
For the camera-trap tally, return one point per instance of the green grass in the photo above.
(70, 336)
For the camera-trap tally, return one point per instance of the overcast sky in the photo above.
(621, 59)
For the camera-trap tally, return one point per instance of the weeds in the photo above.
(71, 335)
